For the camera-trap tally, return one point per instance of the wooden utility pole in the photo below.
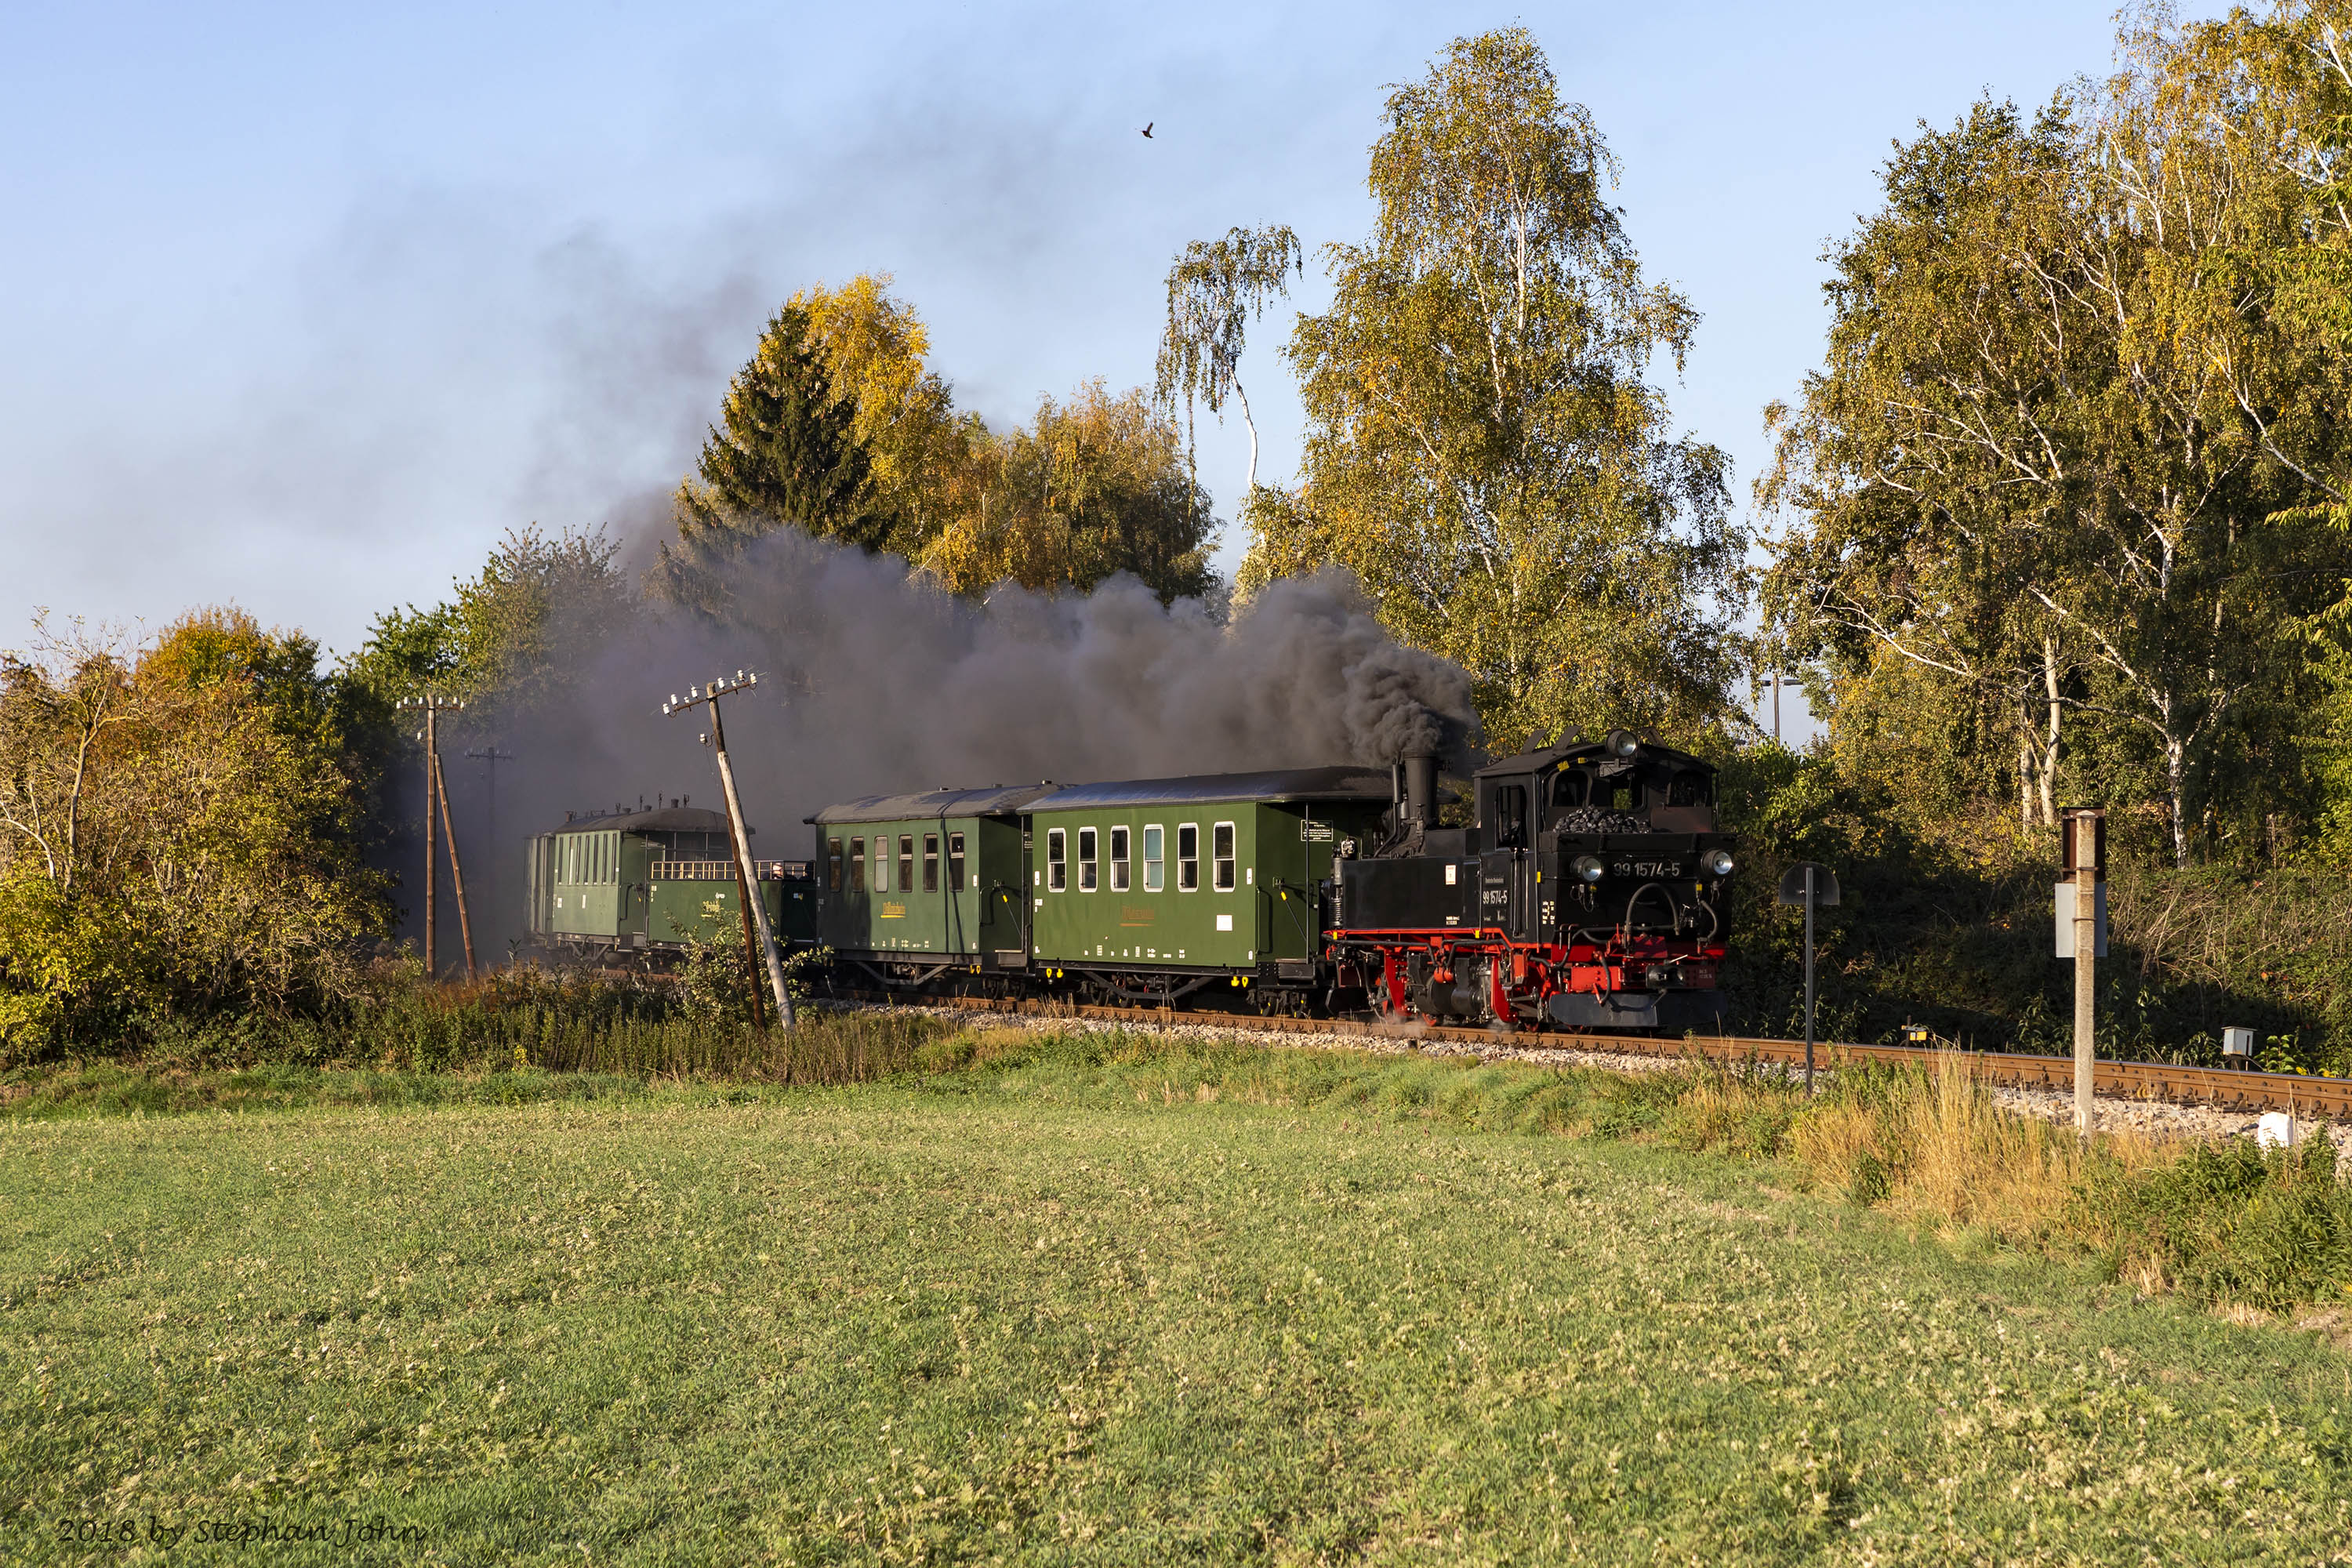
(2086, 856)
(457, 872)
(493, 756)
(433, 704)
(758, 939)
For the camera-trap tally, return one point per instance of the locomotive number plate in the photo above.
(1667, 868)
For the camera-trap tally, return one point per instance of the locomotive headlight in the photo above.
(1588, 868)
(1718, 862)
(1620, 743)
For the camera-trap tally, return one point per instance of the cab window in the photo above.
(1568, 789)
(1510, 816)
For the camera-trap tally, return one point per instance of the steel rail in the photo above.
(2226, 1088)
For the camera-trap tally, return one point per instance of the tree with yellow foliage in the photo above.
(1093, 487)
(840, 427)
(178, 831)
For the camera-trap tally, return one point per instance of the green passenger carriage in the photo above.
(653, 880)
(915, 886)
(1154, 888)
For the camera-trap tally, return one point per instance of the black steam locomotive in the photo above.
(1591, 893)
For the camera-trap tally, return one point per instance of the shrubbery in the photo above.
(1947, 921)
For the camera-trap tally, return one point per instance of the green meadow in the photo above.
(1029, 1310)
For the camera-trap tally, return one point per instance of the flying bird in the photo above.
(1147, 129)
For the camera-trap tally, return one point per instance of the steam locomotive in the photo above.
(1590, 893)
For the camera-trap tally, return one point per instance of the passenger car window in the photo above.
(881, 862)
(955, 862)
(1057, 870)
(857, 864)
(905, 862)
(833, 863)
(930, 862)
(1188, 857)
(1155, 868)
(1085, 859)
(1221, 856)
(1119, 868)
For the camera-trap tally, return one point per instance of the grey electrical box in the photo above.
(2237, 1042)
(2066, 920)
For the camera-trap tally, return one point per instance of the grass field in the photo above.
(1050, 1314)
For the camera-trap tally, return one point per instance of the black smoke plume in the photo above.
(873, 682)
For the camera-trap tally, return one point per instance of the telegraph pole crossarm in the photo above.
(758, 938)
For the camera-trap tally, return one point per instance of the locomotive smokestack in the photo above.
(1420, 788)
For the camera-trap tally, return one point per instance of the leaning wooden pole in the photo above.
(738, 843)
(432, 796)
(759, 939)
(745, 870)
(457, 873)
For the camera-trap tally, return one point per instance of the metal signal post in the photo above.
(432, 704)
(762, 953)
(492, 756)
(1813, 885)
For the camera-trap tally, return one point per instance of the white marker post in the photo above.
(2083, 937)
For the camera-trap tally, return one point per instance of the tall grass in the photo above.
(1932, 1144)
(561, 1021)
(826, 1047)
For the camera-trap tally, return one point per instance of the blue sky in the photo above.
(304, 305)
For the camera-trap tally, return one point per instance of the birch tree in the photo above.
(1483, 449)
(1216, 290)
(2065, 421)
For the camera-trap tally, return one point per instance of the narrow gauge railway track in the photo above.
(2220, 1087)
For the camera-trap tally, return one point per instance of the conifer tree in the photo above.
(785, 451)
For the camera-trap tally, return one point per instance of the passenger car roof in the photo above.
(998, 800)
(665, 819)
(1283, 784)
